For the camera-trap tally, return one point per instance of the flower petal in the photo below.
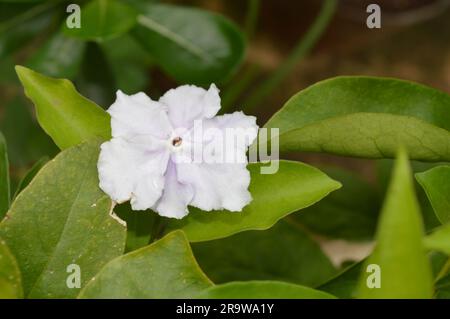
(188, 103)
(176, 196)
(137, 114)
(133, 170)
(227, 137)
(217, 186)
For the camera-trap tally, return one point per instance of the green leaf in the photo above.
(30, 175)
(284, 253)
(443, 288)
(344, 284)
(5, 192)
(439, 240)
(62, 218)
(26, 141)
(436, 183)
(140, 225)
(293, 187)
(96, 80)
(191, 45)
(59, 57)
(20, 24)
(384, 169)
(366, 117)
(164, 269)
(64, 114)
(404, 266)
(10, 282)
(129, 62)
(103, 19)
(348, 213)
(262, 290)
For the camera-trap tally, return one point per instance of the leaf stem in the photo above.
(251, 20)
(302, 48)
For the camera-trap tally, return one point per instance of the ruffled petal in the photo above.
(226, 138)
(133, 170)
(137, 114)
(217, 186)
(176, 196)
(188, 103)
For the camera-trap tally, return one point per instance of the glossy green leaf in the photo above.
(140, 225)
(164, 269)
(439, 240)
(348, 213)
(59, 57)
(63, 113)
(262, 290)
(344, 284)
(10, 282)
(436, 183)
(62, 218)
(5, 192)
(400, 254)
(366, 117)
(103, 19)
(283, 252)
(192, 45)
(30, 175)
(293, 187)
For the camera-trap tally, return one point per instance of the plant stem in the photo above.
(444, 270)
(251, 20)
(301, 49)
(240, 85)
(31, 13)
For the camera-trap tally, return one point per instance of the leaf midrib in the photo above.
(56, 248)
(153, 25)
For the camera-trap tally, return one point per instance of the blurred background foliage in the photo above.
(284, 46)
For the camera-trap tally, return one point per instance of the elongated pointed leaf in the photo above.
(262, 290)
(366, 117)
(436, 183)
(63, 113)
(10, 282)
(192, 45)
(283, 252)
(103, 19)
(439, 240)
(405, 271)
(62, 218)
(165, 269)
(4, 178)
(293, 187)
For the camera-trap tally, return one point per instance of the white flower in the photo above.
(151, 158)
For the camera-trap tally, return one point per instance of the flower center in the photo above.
(177, 141)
